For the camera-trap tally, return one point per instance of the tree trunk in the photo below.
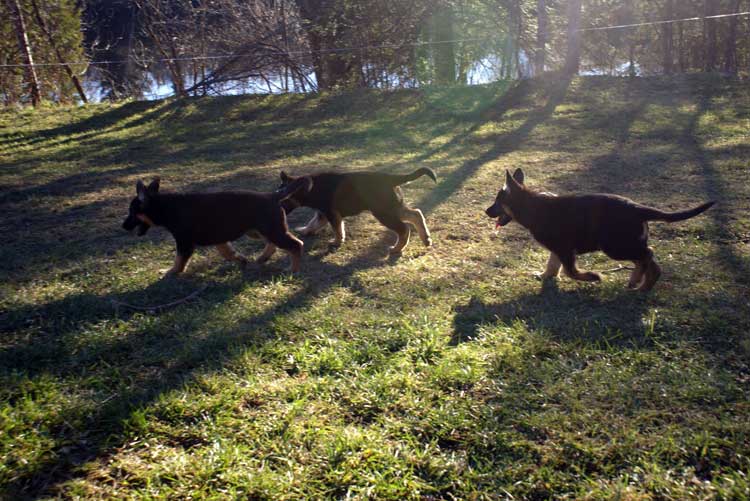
(541, 36)
(445, 56)
(709, 35)
(573, 56)
(681, 56)
(43, 27)
(730, 56)
(667, 37)
(23, 44)
(317, 60)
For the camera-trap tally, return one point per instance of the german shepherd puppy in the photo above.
(335, 196)
(198, 219)
(576, 224)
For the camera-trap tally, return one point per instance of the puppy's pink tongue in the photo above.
(497, 224)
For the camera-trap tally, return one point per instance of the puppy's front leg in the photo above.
(180, 264)
(185, 249)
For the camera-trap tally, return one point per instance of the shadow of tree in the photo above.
(717, 189)
(503, 143)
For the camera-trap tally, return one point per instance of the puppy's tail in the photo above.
(405, 178)
(303, 183)
(650, 214)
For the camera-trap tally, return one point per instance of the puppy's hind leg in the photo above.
(268, 251)
(337, 223)
(553, 267)
(636, 277)
(571, 270)
(315, 224)
(292, 245)
(392, 222)
(651, 274)
(416, 219)
(230, 254)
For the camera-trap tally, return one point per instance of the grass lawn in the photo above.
(450, 373)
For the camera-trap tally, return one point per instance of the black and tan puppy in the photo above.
(576, 224)
(199, 219)
(335, 196)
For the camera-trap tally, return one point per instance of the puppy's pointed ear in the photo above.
(511, 183)
(140, 190)
(153, 188)
(284, 176)
(518, 175)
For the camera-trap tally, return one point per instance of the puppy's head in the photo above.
(507, 198)
(139, 207)
(293, 201)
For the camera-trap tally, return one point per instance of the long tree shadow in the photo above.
(504, 143)
(94, 123)
(717, 189)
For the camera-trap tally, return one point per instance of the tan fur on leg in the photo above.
(636, 277)
(268, 251)
(416, 219)
(317, 222)
(583, 276)
(296, 259)
(180, 264)
(553, 267)
(403, 241)
(652, 274)
(227, 252)
(338, 227)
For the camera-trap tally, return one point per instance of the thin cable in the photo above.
(364, 47)
(650, 23)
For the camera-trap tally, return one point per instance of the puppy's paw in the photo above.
(592, 276)
(169, 275)
(427, 242)
(543, 276)
(632, 285)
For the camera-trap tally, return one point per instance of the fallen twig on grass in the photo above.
(619, 268)
(159, 307)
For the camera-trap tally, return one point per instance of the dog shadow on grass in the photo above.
(583, 314)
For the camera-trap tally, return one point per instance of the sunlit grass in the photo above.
(449, 373)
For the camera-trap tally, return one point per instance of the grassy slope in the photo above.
(449, 373)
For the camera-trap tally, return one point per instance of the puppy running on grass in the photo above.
(199, 219)
(577, 224)
(338, 195)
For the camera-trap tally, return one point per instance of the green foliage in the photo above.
(62, 19)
